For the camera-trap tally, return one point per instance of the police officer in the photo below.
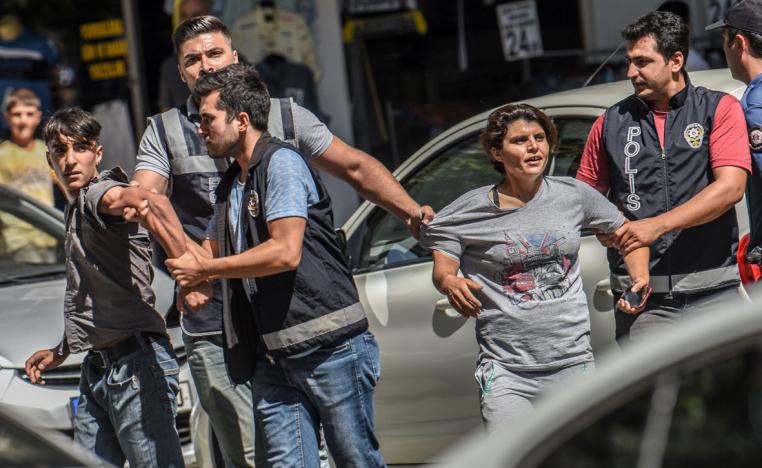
(316, 362)
(173, 159)
(674, 158)
(742, 44)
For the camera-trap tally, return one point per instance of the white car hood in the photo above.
(31, 317)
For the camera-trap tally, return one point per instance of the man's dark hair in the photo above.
(498, 121)
(668, 30)
(677, 7)
(74, 123)
(755, 40)
(241, 90)
(194, 27)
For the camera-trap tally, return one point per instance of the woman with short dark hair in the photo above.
(517, 244)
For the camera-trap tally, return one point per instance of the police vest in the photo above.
(194, 179)
(647, 180)
(314, 305)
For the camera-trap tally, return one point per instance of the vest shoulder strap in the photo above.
(281, 121)
(171, 131)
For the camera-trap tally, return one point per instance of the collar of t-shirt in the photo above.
(660, 119)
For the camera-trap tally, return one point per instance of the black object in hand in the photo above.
(637, 298)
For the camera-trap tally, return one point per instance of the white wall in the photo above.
(603, 20)
(333, 93)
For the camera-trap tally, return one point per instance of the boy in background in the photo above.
(23, 167)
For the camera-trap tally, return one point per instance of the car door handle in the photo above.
(603, 286)
(443, 306)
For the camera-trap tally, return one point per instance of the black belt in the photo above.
(105, 357)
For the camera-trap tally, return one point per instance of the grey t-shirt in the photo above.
(534, 312)
(108, 272)
(314, 138)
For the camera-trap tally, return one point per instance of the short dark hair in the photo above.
(755, 40)
(241, 90)
(677, 7)
(668, 30)
(194, 27)
(498, 121)
(74, 123)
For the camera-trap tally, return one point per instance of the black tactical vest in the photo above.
(647, 180)
(193, 182)
(316, 304)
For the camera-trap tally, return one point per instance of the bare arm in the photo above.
(151, 180)
(458, 290)
(373, 181)
(160, 218)
(282, 252)
(715, 199)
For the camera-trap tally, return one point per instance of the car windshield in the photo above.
(31, 242)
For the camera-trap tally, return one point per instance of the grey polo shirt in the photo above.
(108, 273)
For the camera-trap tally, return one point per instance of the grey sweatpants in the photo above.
(508, 396)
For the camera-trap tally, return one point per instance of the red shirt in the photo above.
(728, 143)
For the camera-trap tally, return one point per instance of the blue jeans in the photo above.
(228, 406)
(332, 386)
(127, 410)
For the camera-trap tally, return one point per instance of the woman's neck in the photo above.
(520, 188)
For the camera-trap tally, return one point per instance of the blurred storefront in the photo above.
(386, 75)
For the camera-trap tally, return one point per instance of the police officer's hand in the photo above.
(194, 298)
(641, 233)
(417, 217)
(187, 269)
(606, 240)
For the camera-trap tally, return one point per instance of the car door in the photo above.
(427, 396)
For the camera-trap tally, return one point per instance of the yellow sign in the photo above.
(101, 29)
(103, 50)
(107, 70)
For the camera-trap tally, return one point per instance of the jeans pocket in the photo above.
(374, 355)
(122, 373)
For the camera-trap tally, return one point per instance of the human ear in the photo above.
(678, 60)
(243, 121)
(496, 154)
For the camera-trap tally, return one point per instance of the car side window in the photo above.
(572, 135)
(703, 415)
(24, 243)
(384, 240)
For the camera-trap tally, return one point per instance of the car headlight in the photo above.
(7, 373)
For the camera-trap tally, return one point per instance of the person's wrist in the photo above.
(663, 225)
(414, 212)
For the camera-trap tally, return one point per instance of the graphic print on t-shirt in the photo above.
(536, 268)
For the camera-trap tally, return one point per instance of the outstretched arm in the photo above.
(282, 252)
(715, 199)
(374, 182)
(160, 218)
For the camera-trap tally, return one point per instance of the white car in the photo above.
(427, 396)
(689, 397)
(31, 317)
